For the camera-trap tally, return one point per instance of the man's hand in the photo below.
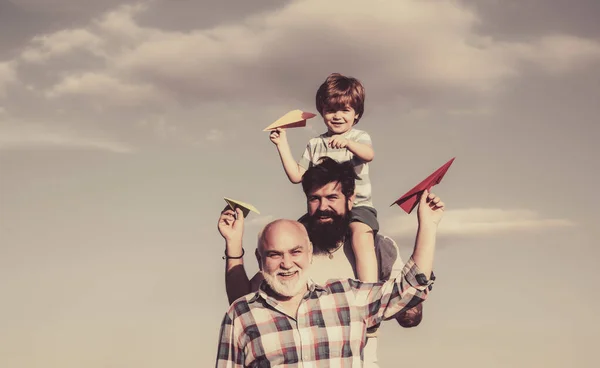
(231, 225)
(411, 317)
(278, 136)
(431, 209)
(337, 141)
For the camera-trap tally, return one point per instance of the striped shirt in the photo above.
(317, 147)
(330, 326)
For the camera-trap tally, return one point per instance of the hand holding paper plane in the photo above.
(245, 207)
(409, 200)
(293, 119)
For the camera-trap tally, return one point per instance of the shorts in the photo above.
(366, 215)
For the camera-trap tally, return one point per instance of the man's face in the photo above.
(328, 220)
(327, 201)
(286, 256)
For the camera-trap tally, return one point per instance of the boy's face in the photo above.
(339, 121)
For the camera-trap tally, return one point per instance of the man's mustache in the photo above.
(325, 213)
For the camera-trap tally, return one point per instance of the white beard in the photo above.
(288, 288)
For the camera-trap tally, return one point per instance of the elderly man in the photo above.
(293, 321)
(329, 188)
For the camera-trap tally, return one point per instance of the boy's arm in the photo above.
(362, 147)
(363, 151)
(293, 171)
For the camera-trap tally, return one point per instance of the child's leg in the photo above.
(363, 245)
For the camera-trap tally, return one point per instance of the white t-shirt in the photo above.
(342, 264)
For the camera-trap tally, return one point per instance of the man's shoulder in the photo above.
(339, 285)
(242, 305)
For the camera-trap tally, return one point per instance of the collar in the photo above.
(345, 134)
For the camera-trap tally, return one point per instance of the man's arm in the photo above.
(231, 228)
(229, 353)
(429, 214)
(413, 284)
(292, 169)
(391, 263)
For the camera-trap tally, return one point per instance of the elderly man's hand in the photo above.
(431, 209)
(231, 225)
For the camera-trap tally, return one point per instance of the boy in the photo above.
(340, 101)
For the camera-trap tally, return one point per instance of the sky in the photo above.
(124, 124)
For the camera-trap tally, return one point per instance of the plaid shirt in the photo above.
(330, 326)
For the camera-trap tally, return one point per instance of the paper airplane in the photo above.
(245, 207)
(409, 200)
(293, 119)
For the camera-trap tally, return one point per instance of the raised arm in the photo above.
(231, 228)
(429, 214)
(412, 285)
(292, 169)
(391, 264)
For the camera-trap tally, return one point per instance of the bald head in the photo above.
(283, 231)
(285, 254)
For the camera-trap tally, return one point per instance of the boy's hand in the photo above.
(231, 225)
(337, 141)
(431, 209)
(278, 136)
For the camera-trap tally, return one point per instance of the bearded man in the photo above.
(329, 188)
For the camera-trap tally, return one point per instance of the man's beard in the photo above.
(287, 288)
(326, 236)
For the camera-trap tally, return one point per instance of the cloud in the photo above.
(408, 46)
(259, 221)
(111, 90)
(428, 55)
(8, 75)
(44, 47)
(479, 221)
(561, 53)
(19, 136)
(477, 111)
(214, 135)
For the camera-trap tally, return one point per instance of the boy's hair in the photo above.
(329, 170)
(338, 91)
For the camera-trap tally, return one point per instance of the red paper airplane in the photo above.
(409, 200)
